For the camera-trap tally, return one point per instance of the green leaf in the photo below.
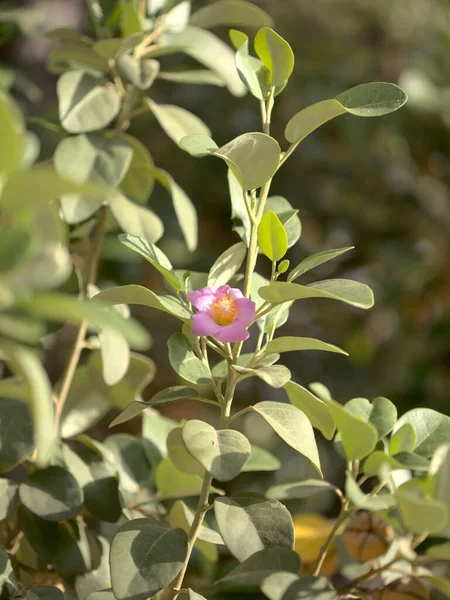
(251, 70)
(222, 453)
(249, 523)
(315, 409)
(209, 50)
(102, 595)
(261, 460)
(172, 483)
(86, 585)
(293, 490)
(90, 398)
(348, 291)
(432, 429)
(249, 574)
(130, 19)
(86, 103)
(293, 426)
(26, 365)
(276, 54)
(439, 583)
(130, 460)
(44, 592)
(155, 430)
(292, 344)
(288, 217)
(39, 186)
(184, 208)
(272, 237)
(381, 413)
(177, 122)
(253, 157)
(8, 582)
(365, 501)
(403, 440)
(134, 219)
(405, 460)
(52, 494)
(131, 411)
(12, 130)
(315, 260)
(136, 294)
(284, 586)
(139, 72)
(182, 516)
(154, 256)
(359, 437)
(194, 596)
(195, 76)
(139, 179)
(8, 497)
(419, 512)
(274, 375)
(145, 557)
(16, 434)
(75, 54)
(63, 308)
(366, 100)
(231, 13)
(185, 363)
(439, 551)
(180, 456)
(220, 370)
(227, 265)
(440, 470)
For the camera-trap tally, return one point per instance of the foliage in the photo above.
(128, 517)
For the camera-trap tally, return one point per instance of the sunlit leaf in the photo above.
(230, 13)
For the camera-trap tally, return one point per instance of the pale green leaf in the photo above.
(182, 516)
(185, 362)
(227, 265)
(432, 429)
(315, 260)
(8, 497)
(314, 408)
(194, 76)
(292, 344)
(381, 413)
(287, 586)
(135, 219)
(176, 121)
(139, 72)
(12, 131)
(403, 440)
(293, 426)
(276, 54)
(179, 455)
(420, 513)
(139, 179)
(230, 13)
(365, 501)
(274, 375)
(261, 459)
(293, 490)
(16, 434)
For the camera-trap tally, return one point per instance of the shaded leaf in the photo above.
(261, 459)
(184, 361)
(419, 512)
(139, 72)
(135, 219)
(16, 434)
(284, 586)
(172, 483)
(227, 265)
(180, 456)
(44, 592)
(315, 260)
(145, 557)
(8, 497)
(139, 179)
(176, 121)
(182, 516)
(299, 489)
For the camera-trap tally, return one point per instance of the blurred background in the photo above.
(382, 185)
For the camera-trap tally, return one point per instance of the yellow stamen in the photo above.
(224, 311)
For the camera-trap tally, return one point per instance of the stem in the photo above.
(344, 514)
(142, 48)
(79, 340)
(203, 501)
(365, 577)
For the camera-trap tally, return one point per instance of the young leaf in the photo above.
(276, 54)
(177, 122)
(52, 494)
(223, 453)
(348, 291)
(381, 413)
(154, 256)
(237, 13)
(288, 217)
(86, 103)
(249, 523)
(293, 426)
(146, 555)
(172, 483)
(272, 237)
(366, 100)
(292, 344)
(251, 70)
(315, 260)
(227, 265)
(365, 501)
(185, 362)
(315, 409)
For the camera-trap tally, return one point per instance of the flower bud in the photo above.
(367, 537)
(402, 589)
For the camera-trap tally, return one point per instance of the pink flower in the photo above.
(223, 313)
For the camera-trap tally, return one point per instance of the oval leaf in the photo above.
(177, 122)
(276, 54)
(235, 13)
(432, 429)
(315, 409)
(185, 362)
(292, 344)
(272, 237)
(315, 260)
(227, 265)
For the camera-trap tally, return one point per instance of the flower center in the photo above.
(224, 311)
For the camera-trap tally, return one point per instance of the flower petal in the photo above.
(245, 310)
(222, 290)
(202, 324)
(202, 299)
(236, 332)
(235, 293)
